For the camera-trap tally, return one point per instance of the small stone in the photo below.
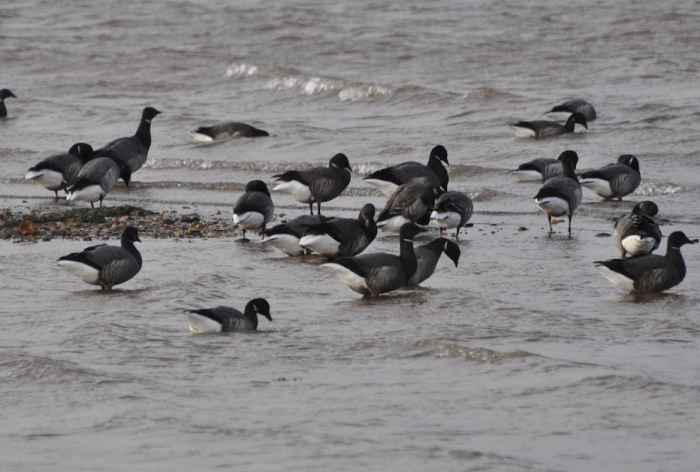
(87, 238)
(27, 228)
(522, 228)
(124, 218)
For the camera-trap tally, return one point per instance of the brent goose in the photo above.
(373, 274)
(560, 196)
(4, 93)
(411, 203)
(342, 237)
(428, 255)
(434, 174)
(105, 265)
(651, 273)
(222, 319)
(230, 129)
(318, 184)
(614, 180)
(539, 129)
(286, 236)
(61, 171)
(254, 208)
(97, 178)
(637, 233)
(452, 210)
(539, 170)
(565, 110)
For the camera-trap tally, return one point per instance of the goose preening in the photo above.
(452, 210)
(539, 129)
(61, 171)
(428, 255)
(614, 180)
(286, 236)
(254, 209)
(565, 110)
(223, 319)
(560, 196)
(105, 265)
(637, 233)
(226, 130)
(341, 237)
(433, 175)
(4, 93)
(318, 184)
(539, 170)
(132, 150)
(373, 274)
(651, 273)
(411, 203)
(97, 178)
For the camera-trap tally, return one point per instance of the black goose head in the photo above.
(452, 251)
(261, 307)
(440, 152)
(81, 150)
(5, 93)
(257, 186)
(149, 113)
(568, 163)
(580, 119)
(629, 160)
(130, 234)
(647, 207)
(367, 213)
(678, 239)
(340, 161)
(569, 156)
(410, 231)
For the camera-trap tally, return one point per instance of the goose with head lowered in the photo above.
(434, 174)
(374, 274)
(651, 273)
(539, 170)
(452, 210)
(540, 129)
(411, 203)
(560, 196)
(226, 130)
(318, 184)
(61, 171)
(637, 233)
(614, 180)
(105, 265)
(223, 319)
(97, 178)
(341, 237)
(132, 150)
(254, 209)
(286, 236)
(565, 110)
(428, 255)
(4, 93)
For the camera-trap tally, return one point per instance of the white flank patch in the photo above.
(87, 194)
(296, 190)
(598, 186)
(248, 220)
(348, 277)
(201, 324)
(50, 179)
(618, 280)
(522, 132)
(553, 206)
(387, 188)
(558, 116)
(83, 271)
(286, 243)
(636, 245)
(201, 137)
(446, 219)
(320, 244)
(392, 224)
(526, 175)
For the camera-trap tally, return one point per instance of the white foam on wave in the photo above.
(347, 91)
(241, 70)
(650, 188)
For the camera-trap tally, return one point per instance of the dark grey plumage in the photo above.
(651, 273)
(229, 129)
(254, 209)
(132, 150)
(575, 106)
(411, 203)
(226, 319)
(342, 237)
(544, 168)
(614, 180)
(428, 255)
(286, 236)
(105, 265)
(540, 129)
(433, 174)
(452, 210)
(318, 184)
(97, 178)
(4, 93)
(374, 274)
(560, 196)
(637, 233)
(61, 171)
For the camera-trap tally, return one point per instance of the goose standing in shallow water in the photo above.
(637, 233)
(4, 93)
(61, 171)
(286, 236)
(97, 178)
(539, 170)
(428, 255)
(452, 210)
(540, 129)
(132, 150)
(374, 274)
(411, 203)
(560, 196)
(614, 180)
(433, 175)
(223, 319)
(227, 130)
(254, 209)
(565, 110)
(342, 237)
(105, 265)
(651, 273)
(318, 184)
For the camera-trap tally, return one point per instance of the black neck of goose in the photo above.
(436, 246)
(570, 124)
(3, 110)
(251, 314)
(408, 259)
(369, 227)
(435, 164)
(143, 133)
(674, 255)
(344, 175)
(129, 246)
(569, 171)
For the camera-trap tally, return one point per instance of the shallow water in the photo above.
(522, 358)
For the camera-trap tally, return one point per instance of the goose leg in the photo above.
(549, 218)
(56, 192)
(311, 208)
(570, 225)
(457, 234)
(92, 204)
(101, 201)
(319, 209)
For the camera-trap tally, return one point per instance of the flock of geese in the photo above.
(417, 196)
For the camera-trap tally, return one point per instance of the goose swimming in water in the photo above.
(433, 175)
(342, 237)
(223, 319)
(61, 171)
(4, 93)
(560, 196)
(428, 255)
(539, 170)
(540, 129)
(637, 233)
(286, 236)
(614, 180)
(227, 130)
(565, 110)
